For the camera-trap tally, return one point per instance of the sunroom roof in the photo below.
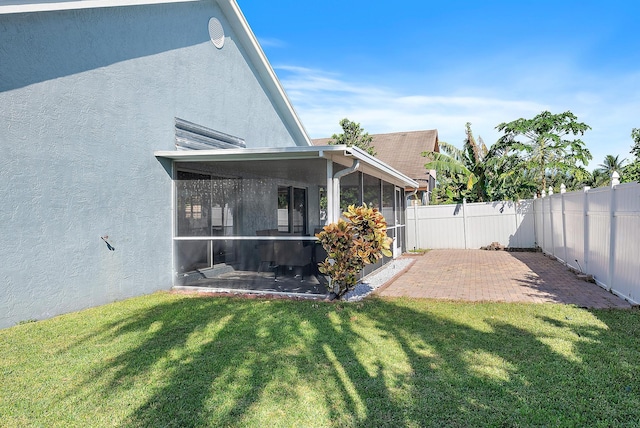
(340, 154)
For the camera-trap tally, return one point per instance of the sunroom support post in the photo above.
(330, 195)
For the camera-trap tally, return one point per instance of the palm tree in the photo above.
(611, 164)
(501, 172)
(463, 168)
(480, 174)
(574, 180)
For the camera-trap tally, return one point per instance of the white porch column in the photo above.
(330, 195)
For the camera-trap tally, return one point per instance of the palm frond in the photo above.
(451, 150)
(443, 163)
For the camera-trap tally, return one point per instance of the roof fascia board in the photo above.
(10, 7)
(268, 153)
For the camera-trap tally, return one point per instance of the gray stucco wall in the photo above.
(85, 98)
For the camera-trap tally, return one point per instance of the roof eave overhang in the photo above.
(342, 155)
(26, 6)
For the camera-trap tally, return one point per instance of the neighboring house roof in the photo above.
(403, 151)
(235, 18)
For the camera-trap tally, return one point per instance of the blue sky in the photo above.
(414, 65)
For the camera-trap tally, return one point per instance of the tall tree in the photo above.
(462, 172)
(632, 170)
(509, 178)
(353, 135)
(541, 143)
(576, 179)
(602, 174)
(635, 149)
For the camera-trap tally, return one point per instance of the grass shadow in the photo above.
(199, 361)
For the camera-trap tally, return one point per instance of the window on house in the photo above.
(292, 210)
(299, 212)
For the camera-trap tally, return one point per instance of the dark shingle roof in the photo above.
(402, 151)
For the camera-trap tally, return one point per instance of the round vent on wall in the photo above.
(216, 32)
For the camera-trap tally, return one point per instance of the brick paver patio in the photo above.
(479, 275)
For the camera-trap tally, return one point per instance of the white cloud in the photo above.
(322, 98)
(271, 42)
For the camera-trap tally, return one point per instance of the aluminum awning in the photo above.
(340, 154)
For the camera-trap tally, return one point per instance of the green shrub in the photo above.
(352, 244)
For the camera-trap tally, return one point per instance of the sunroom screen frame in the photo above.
(340, 161)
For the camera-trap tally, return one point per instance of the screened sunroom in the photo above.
(245, 219)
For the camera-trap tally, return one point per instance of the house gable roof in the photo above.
(235, 18)
(403, 151)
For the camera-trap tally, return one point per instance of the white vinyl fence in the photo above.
(472, 225)
(596, 232)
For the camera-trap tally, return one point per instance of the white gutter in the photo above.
(334, 213)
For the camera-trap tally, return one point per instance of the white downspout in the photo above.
(334, 212)
(415, 219)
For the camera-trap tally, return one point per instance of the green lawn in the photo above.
(177, 360)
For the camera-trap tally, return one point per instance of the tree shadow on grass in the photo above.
(229, 362)
(209, 361)
(549, 373)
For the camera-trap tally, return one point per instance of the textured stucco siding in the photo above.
(85, 98)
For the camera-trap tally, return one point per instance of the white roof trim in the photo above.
(338, 153)
(23, 6)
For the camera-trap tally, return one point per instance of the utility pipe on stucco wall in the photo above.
(334, 213)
